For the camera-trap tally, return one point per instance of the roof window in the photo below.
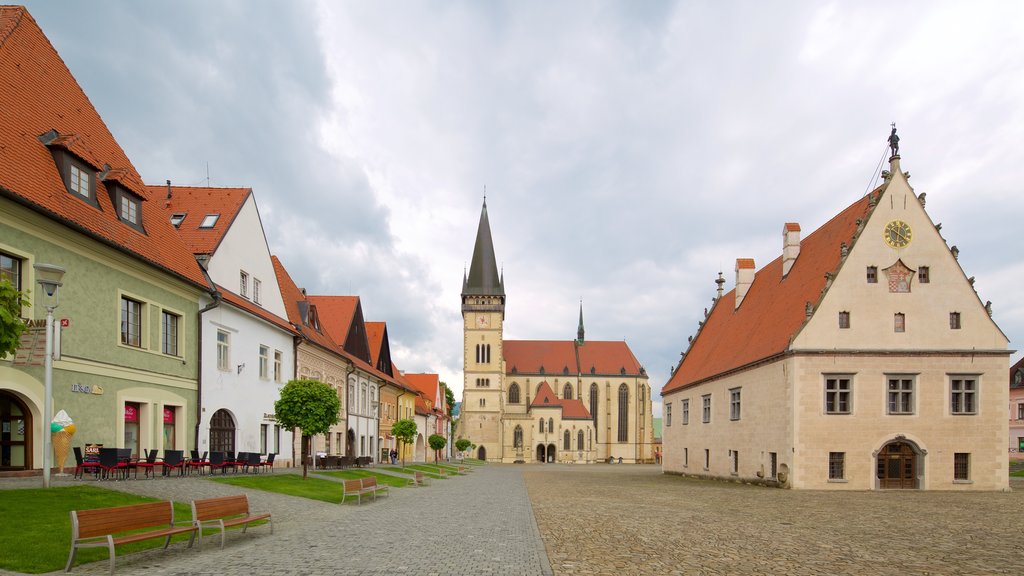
(177, 218)
(209, 221)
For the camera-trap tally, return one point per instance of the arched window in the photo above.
(579, 440)
(566, 441)
(513, 393)
(623, 413)
(593, 401)
(222, 432)
(567, 391)
(517, 437)
(483, 353)
(551, 424)
(542, 425)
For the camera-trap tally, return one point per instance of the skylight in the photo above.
(177, 218)
(209, 221)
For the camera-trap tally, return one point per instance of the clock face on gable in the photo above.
(897, 234)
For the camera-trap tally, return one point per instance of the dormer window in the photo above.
(79, 182)
(209, 221)
(177, 218)
(128, 209)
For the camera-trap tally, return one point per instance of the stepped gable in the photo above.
(774, 308)
(42, 102)
(571, 409)
(196, 202)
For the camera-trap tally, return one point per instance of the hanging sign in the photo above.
(168, 415)
(131, 413)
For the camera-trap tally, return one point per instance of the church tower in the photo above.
(483, 314)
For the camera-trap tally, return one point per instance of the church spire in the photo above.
(579, 330)
(483, 279)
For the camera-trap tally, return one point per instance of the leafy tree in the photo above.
(11, 324)
(437, 443)
(462, 444)
(309, 405)
(405, 431)
(449, 397)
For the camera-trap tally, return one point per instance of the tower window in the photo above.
(923, 275)
(844, 320)
(954, 320)
(872, 274)
(899, 322)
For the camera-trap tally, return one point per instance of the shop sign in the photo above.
(131, 413)
(168, 415)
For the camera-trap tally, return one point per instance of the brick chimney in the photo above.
(744, 278)
(790, 246)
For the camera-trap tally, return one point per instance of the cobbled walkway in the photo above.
(626, 519)
(479, 523)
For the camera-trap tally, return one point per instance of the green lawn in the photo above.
(382, 478)
(1018, 474)
(36, 527)
(429, 472)
(292, 485)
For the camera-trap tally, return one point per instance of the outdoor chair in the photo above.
(111, 463)
(148, 465)
(173, 460)
(254, 462)
(81, 465)
(240, 462)
(196, 462)
(269, 462)
(218, 460)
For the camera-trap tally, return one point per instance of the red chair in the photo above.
(173, 460)
(197, 462)
(111, 462)
(148, 465)
(218, 461)
(81, 465)
(269, 462)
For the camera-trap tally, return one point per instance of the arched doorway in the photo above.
(421, 450)
(541, 453)
(15, 434)
(898, 465)
(481, 453)
(551, 452)
(222, 432)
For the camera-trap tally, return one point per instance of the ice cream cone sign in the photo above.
(61, 429)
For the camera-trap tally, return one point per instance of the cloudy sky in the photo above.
(629, 150)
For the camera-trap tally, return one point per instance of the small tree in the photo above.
(449, 397)
(309, 405)
(462, 444)
(11, 324)
(405, 431)
(437, 443)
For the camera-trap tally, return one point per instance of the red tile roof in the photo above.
(425, 384)
(773, 311)
(39, 94)
(375, 334)
(792, 227)
(608, 357)
(571, 409)
(743, 263)
(336, 314)
(292, 295)
(196, 202)
(554, 356)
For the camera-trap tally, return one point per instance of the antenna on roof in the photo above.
(207, 174)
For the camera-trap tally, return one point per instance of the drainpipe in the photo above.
(348, 407)
(199, 380)
(295, 375)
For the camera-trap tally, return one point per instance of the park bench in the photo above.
(355, 488)
(110, 526)
(370, 483)
(418, 479)
(224, 512)
(463, 470)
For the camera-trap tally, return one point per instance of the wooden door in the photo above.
(897, 466)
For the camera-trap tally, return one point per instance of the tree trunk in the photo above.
(306, 449)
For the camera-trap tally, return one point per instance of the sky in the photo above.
(629, 151)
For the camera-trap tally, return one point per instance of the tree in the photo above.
(11, 324)
(405, 431)
(462, 444)
(309, 405)
(437, 443)
(449, 398)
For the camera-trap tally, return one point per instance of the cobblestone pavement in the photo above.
(634, 520)
(480, 523)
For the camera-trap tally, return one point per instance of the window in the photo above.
(963, 395)
(836, 465)
(773, 465)
(483, 353)
(177, 218)
(579, 440)
(542, 425)
(668, 413)
(705, 402)
(209, 221)
(223, 351)
(901, 395)
(593, 401)
(686, 411)
(277, 365)
(277, 439)
(131, 322)
(483, 382)
(707, 459)
(264, 362)
(567, 392)
(517, 437)
(623, 413)
(686, 457)
(10, 270)
(243, 284)
(483, 402)
(128, 208)
(872, 274)
(566, 441)
(256, 290)
(513, 393)
(734, 462)
(899, 322)
(551, 424)
(954, 320)
(838, 391)
(169, 329)
(922, 275)
(1020, 411)
(80, 181)
(844, 320)
(961, 466)
(263, 438)
(734, 404)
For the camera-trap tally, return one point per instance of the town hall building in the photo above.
(570, 401)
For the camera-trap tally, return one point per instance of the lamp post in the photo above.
(49, 278)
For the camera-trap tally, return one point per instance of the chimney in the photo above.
(790, 246)
(744, 278)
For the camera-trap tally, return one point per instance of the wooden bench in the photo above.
(224, 512)
(463, 470)
(418, 479)
(355, 488)
(370, 483)
(100, 527)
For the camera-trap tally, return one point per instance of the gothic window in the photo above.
(513, 393)
(566, 441)
(579, 440)
(623, 413)
(593, 401)
(551, 424)
(517, 437)
(483, 353)
(567, 392)
(542, 425)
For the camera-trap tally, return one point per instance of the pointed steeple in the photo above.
(579, 330)
(483, 279)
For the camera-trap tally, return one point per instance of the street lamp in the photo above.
(49, 278)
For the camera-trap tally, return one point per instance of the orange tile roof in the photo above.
(39, 95)
(792, 227)
(375, 334)
(743, 263)
(425, 384)
(554, 356)
(608, 357)
(773, 311)
(196, 202)
(336, 314)
(292, 295)
(571, 409)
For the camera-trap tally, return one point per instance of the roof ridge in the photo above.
(20, 13)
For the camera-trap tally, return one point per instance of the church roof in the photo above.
(774, 308)
(571, 409)
(570, 357)
(195, 204)
(483, 276)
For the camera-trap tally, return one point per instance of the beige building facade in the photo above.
(862, 358)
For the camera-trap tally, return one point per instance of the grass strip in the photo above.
(382, 478)
(312, 487)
